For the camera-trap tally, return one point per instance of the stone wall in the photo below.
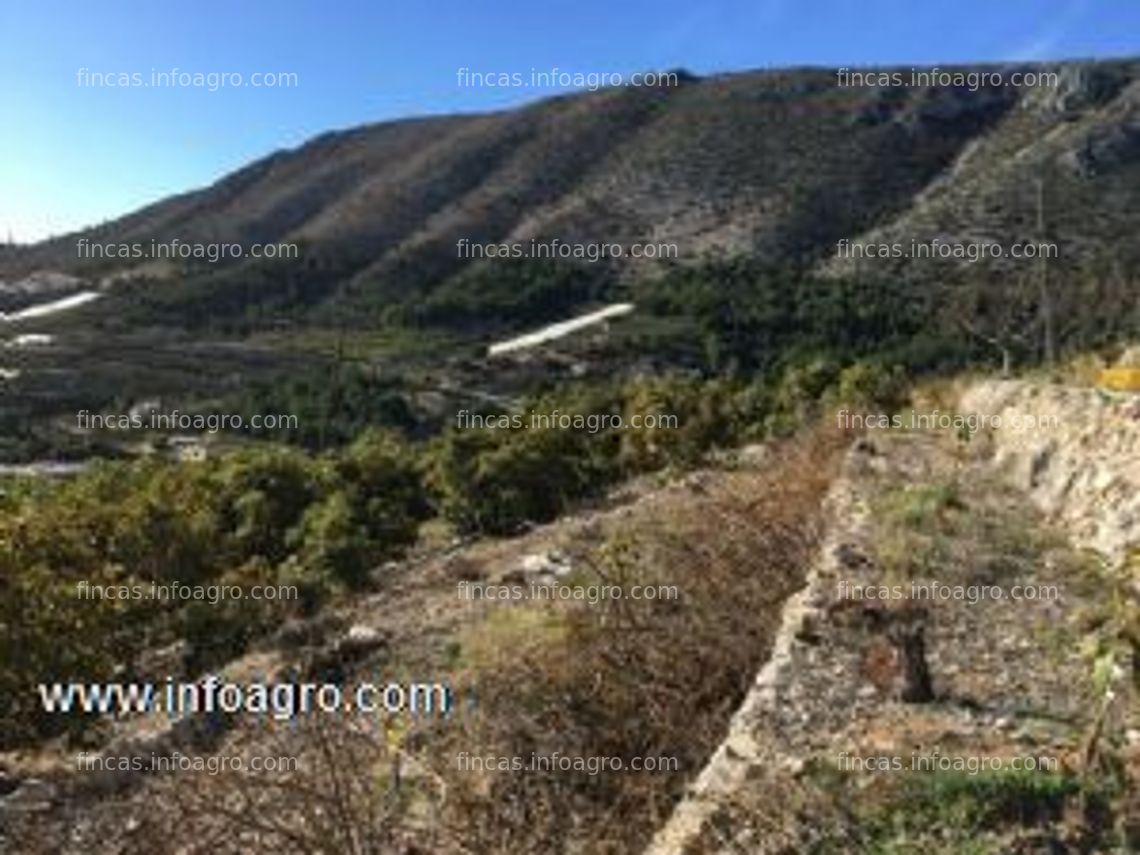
(1075, 451)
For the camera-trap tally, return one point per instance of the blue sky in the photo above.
(72, 154)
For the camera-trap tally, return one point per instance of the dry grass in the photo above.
(636, 678)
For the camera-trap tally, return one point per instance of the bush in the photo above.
(370, 511)
(797, 396)
(496, 479)
(495, 483)
(634, 677)
(705, 414)
(870, 384)
(262, 516)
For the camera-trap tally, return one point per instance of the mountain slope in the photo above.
(772, 165)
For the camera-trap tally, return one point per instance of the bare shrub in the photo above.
(642, 678)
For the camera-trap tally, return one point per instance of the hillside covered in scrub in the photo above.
(769, 165)
(750, 181)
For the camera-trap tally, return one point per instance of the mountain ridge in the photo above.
(772, 164)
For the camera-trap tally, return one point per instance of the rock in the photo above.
(8, 783)
(1038, 463)
(1130, 358)
(1076, 459)
(553, 563)
(1078, 87)
(295, 634)
(362, 639)
(755, 455)
(332, 663)
(697, 483)
(32, 795)
(794, 765)
(850, 556)
(809, 631)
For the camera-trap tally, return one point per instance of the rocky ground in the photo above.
(857, 684)
(1076, 454)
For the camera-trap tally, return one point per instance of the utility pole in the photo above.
(1049, 340)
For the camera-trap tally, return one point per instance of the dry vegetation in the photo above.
(621, 678)
(639, 678)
